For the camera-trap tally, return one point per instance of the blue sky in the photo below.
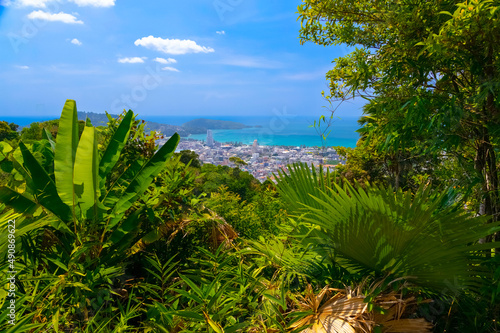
(161, 58)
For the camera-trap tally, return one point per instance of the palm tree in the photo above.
(425, 237)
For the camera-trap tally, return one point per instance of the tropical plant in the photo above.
(425, 238)
(431, 88)
(83, 225)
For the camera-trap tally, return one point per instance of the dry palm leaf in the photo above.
(347, 312)
(341, 313)
(395, 308)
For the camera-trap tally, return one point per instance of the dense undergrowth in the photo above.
(116, 235)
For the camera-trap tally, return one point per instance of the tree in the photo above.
(237, 160)
(237, 181)
(430, 69)
(8, 131)
(189, 156)
(35, 131)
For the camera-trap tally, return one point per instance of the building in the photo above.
(255, 147)
(210, 138)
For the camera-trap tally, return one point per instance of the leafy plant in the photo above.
(82, 224)
(377, 231)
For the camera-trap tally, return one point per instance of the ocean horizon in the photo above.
(269, 131)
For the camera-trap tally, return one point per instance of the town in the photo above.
(260, 161)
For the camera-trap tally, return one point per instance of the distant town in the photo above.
(260, 161)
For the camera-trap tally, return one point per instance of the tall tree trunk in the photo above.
(486, 165)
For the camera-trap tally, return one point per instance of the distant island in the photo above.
(201, 125)
(100, 119)
(196, 126)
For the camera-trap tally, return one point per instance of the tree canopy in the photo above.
(430, 73)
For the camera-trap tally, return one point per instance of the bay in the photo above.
(287, 132)
(277, 131)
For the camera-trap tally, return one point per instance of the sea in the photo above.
(270, 131)
(280, 131)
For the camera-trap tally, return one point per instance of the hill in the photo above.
(201, 125)
(100, 119)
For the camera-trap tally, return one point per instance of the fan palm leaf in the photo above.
(378, 231)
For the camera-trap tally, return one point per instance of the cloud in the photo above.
(28, 3)
(172, 46)
(171, 69)
(22, 67)
(59, 17)
(222, 32)
(94, 3)
(76, 42)
(165, 61)
(132, 60)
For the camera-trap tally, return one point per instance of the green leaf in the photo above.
(48, 136)
(216, 327)
(192, 285)
(5, 148)
(115, 146)
(17, 201)
(129, 226)
(189, 315)
(143, 179)
(378, 230)
(86, 171)
(65, 154)
(45, 190)
(280, 302)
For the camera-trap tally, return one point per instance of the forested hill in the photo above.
(201, 125)
(100, 119)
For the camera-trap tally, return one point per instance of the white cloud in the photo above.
(132, 60)
(165, 61)
(172, 46)
(222, 32)
(29, 3)
(76, 42)
(43, 3)
(171, 69)
(94, 3)
(23, 67)
(59, 17)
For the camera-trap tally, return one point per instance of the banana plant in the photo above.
(76, 193)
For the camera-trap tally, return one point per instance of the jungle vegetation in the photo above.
(116, 234)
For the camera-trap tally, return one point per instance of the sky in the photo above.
(161, 58)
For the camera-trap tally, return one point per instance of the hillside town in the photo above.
(260, 161)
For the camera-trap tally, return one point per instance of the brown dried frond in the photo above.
(347, 312)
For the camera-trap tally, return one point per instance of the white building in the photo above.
(255, 147)
(210, 138)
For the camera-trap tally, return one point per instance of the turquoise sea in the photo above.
(279, 131)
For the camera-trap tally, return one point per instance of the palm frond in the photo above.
(379, 231)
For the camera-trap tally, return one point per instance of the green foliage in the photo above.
(236, 180)
(432, 89)
(8, 131)
(36, 131)
(377, 231)
(238, 161)
(362, 165)
(82, 228)
(189, 157)
(263, 216)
